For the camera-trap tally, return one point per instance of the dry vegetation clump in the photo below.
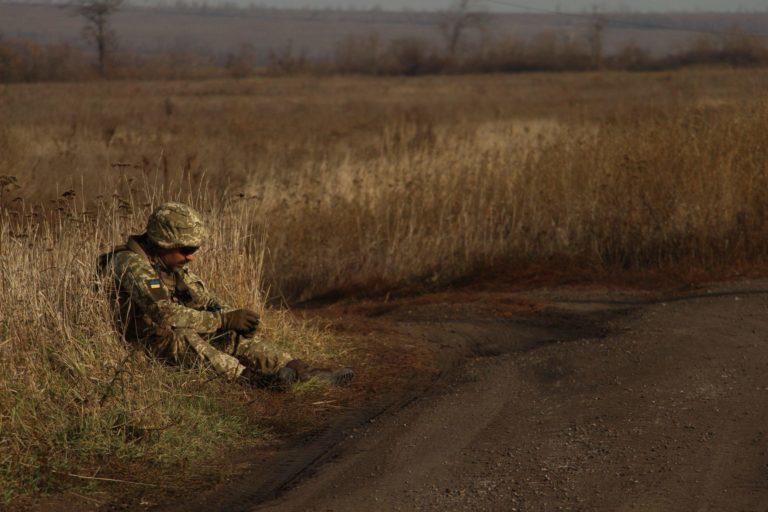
(548, 51)
(639, 190)
(24, 60)
(336, 186)
(73, 395)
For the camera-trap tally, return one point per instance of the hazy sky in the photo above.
(566, 5)
(486, 5)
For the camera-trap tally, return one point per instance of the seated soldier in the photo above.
(165, 307)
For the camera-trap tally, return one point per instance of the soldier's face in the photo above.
(176, 258)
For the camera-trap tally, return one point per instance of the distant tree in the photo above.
(241, 63)
(97, 30)
(359, 54)
(410, 57)
(287, 60)
(456, 21)
(595, 37)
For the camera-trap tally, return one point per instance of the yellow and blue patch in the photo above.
(156, 289)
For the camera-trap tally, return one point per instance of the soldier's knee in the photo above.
(226, 341)
(172, 345)
(261, 355)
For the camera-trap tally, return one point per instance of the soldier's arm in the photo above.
(204, 297)
(138, 280)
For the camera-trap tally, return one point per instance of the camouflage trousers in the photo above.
(227, 352)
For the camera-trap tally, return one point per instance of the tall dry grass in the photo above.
(74, 395)
(336, 185)
(640, 190)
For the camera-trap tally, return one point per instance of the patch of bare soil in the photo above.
(606, 401)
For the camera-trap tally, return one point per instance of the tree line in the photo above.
(27, 61)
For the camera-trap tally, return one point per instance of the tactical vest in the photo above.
(173, 281)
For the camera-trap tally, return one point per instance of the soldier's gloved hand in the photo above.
(242, 321)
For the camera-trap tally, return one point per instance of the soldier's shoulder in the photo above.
(191, 277)
(131, 263)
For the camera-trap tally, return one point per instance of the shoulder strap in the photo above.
(134, 246)
(105, 260)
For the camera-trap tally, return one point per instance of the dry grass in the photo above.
(72, 394)
(323, 185)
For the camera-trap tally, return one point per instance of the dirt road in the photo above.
(601, 403)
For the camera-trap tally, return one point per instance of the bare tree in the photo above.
(595, 37)
(97, 30)
(457, 21)
(241, 63)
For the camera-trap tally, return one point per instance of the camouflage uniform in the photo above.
(172, 312)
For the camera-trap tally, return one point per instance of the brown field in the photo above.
(337, 186)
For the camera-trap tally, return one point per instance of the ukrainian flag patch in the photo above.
(156, 289)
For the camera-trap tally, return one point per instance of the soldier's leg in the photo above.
(255, 353)
(169, 346)
(184, 346)
(273, 366)
(262, 355)
(270, 361)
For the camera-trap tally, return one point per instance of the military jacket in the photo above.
(152, 299)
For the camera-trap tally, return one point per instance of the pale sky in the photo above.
(485, 5)
(565, 5)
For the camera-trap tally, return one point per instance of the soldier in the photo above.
(168, 309)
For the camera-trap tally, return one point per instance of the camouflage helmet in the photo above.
(174, 225)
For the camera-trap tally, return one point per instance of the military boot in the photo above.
(305, 372)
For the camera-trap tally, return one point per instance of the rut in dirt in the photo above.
(660, 407)
(459, 339)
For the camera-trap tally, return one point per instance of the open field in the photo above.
(372, 183)
(331, 187)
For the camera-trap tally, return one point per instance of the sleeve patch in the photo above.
(156, 289)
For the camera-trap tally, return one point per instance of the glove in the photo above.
(242, 321)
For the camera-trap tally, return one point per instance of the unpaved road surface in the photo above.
(621, 404)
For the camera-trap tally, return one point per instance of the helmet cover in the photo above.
(174, 225)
